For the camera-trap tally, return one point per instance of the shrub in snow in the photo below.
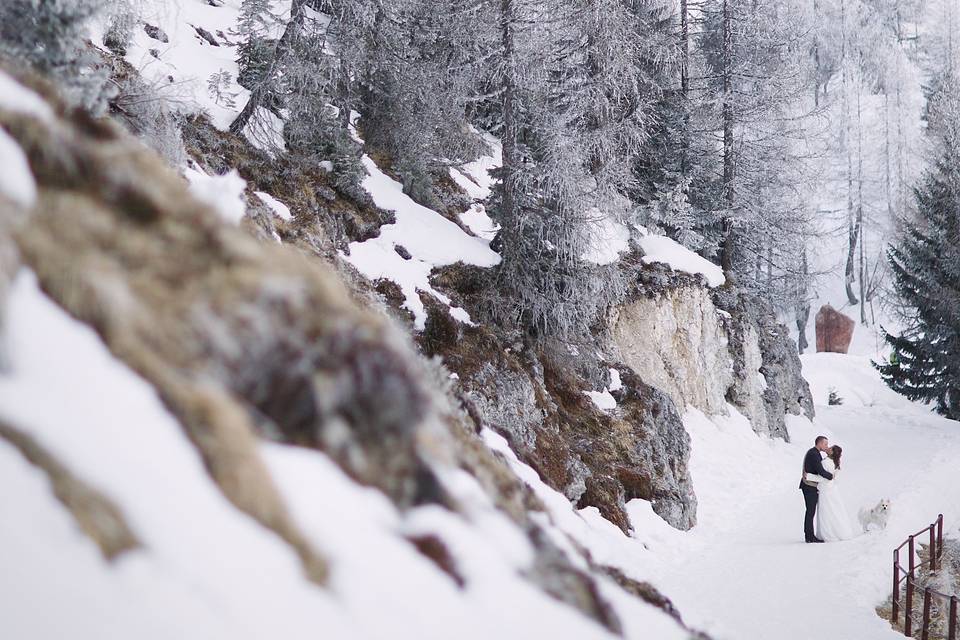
(218, 85)
(147, 113)
(833, 398)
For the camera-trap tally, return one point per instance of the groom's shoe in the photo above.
(814, 540)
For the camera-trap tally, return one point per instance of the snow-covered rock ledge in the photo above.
(707, 346)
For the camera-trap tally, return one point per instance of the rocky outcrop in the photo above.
(767, 381)
(707, 348)
(674, 341)
(534, 396)
(834, 330)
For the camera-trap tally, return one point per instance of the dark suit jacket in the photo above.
(813, 465)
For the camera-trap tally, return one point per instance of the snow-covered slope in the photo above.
(429, 239)
(207, 571)
(467, 556)
(205, 567)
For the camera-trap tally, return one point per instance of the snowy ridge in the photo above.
(673, 254)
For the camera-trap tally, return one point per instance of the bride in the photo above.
(833, 521)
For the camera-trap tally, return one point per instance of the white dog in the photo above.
(876, 516)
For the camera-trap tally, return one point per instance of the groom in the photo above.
(813, 465)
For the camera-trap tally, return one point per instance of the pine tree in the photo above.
(925, 364)
(255, 48)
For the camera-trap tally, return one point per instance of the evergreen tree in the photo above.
(255, 49)
(575, 114)
(925, 364)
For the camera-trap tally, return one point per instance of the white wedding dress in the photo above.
(833, 521)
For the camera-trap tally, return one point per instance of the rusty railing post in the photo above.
(913, 553)
(940, 536)
(908, 608)
(908, 605)
(896, 586)
(925, 633)
(952, 624)
(933, 547)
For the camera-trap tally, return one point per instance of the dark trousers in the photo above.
(810, 497)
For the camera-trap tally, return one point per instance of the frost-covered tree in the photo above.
(49, 36)
(265, 76)
(925, 363)
(752, 85)
(575, 114)
(255, 48)
(416, 86)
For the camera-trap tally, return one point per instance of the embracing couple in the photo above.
(821, 466)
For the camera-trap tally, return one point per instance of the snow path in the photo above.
(744, 571)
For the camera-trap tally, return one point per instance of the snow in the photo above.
(671, 253)
(479, 223)
(475, 179)
(223, 193)
(16, 179)
(209, 568)
(19, 99)
(609, 239)
(265, 131)
(183, 65)
(606, 543)
(205, 566)
(431, 239)
(282, 210)
(744, 569)
(615, 383)
(602, 399)
(740, 572)
(387, 590)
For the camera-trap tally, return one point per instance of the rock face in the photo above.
(705, 349)
(834, 330)
(534, 396)
(674, 341)
(767, 380)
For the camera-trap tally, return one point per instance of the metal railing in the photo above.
(900, 574)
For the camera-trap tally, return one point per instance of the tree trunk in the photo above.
(727, 257)
(853, 230)
(803, 306)
(509, 213)
(263, 90)
(816, 57)
(684, 85)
